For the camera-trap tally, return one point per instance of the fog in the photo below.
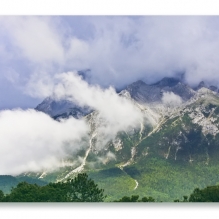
(116, 113)
(171, 99)
(33, 141)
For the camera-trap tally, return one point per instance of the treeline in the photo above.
(79, 189)
(83, 189)
(208, 194)
(135, 198)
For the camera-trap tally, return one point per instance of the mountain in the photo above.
(7, 182)
(201, 85)
(138, 91)
(62, 108)
(144, 93)
(211, 87)
(172, 151)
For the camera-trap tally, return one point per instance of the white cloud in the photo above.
(35, 37)
(104, 159)
(116, 113)
(118, 50)
(32, 141)
(78, 48)
(121, 50)
(39, 85)
(12, 75)
(171, 99)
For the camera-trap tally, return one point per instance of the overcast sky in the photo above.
(119, 50)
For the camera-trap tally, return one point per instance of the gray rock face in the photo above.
(201, 85)
(167, 82)
(144, 93)
(211, 87)
(183, 90)
(62, 108)
(139, 91)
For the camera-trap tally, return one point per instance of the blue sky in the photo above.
(118, 49)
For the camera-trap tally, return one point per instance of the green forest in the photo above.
(84, 189)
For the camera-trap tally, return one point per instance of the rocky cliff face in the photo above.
(62, 108)
(184, 132)
(179, 140)
(144, 93)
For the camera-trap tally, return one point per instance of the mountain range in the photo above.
(172, 151)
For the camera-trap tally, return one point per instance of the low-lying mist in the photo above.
(33, 141)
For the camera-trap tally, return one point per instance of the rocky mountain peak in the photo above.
(167, 81)
(201, 85)
(62, 108)
(144, 93)
(213, 88)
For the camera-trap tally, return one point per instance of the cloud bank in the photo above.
(116, 113)
(118, 49)
(32, 141)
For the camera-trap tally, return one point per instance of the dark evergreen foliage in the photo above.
(1, 196)
(82, 189)
(135, 198)
(208, 194)
(79, 189)
(7, 182)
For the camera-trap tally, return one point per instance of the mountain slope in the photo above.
(173, 149)
(7, 182)
(62, 108)
(144, 93)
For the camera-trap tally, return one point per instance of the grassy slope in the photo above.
(157, 177)
(7, 182)
(115, 182)
(164, 179)
(171, 178)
